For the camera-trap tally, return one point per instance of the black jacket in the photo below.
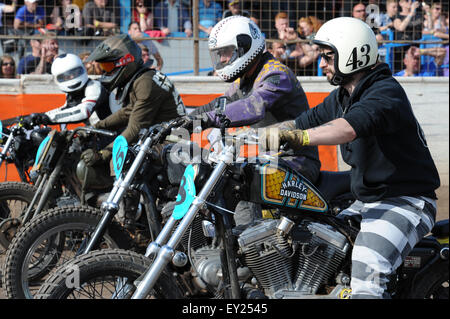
(389, 156)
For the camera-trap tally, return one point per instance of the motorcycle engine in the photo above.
(294, 261)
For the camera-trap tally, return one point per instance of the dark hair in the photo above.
(133, 22)
(1, 64)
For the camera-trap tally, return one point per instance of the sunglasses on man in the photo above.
(327, 56)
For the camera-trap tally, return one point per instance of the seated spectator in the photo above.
(308, 27)
(29, 17)
(282, 29)
(143, 16)
(147, 54)
(8, 67)
(359, 11)
(98, 19)
(172, 16)
(408, 23)
(434, 21)
(66, 19)
(234, 8)
(209, 13)
(49, 51)
(7, 8)
(386, 20)
(28, 63)
(42, 56)
(278, 50)
(413, 66)
(135, 33)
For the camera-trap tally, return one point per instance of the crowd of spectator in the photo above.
(288, 34)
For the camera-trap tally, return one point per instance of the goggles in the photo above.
(111, 65)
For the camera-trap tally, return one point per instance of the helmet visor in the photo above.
(223, 56)
(70, 75)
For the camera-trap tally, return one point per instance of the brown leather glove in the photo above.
(294, 138)
(271, 138)
(92, 157)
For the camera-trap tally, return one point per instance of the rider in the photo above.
(86, 99)
(263, 91)
(393, 176)
(147, 96)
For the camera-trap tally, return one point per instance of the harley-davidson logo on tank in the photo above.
(284, 188)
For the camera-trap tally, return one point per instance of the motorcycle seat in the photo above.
(440, 229)
(331, 184)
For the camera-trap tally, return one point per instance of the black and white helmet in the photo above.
(239, 37)
(69, 72)
(353, 43)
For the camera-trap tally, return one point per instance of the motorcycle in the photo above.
(306, 253)
(22, 142)
(144, 182)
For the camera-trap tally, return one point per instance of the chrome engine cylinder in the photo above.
(320, 258)
(268, 255)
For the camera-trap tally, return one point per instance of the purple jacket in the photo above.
(272, 95)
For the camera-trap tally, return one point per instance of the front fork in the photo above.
(165, 252)
(111, 206)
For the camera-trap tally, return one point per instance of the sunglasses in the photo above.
(7, 63)
(327, 56)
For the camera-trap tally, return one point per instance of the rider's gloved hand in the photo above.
(92, 157)
(296, 139)
(36, 119)
(192, 121)
(272, 137)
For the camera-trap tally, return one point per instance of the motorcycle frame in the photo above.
(48, 180)
(111, 206)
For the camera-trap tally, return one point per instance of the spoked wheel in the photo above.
(48, 241)
(433, 284)
(14, 200)
(105, 274)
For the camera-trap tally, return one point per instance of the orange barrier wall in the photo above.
(21, 104)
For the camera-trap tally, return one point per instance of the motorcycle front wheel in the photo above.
(14, 200)
(105, 274)
(49, 240)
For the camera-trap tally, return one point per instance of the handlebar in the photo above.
(89, 129)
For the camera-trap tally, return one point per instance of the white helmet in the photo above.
(353, 42)
(69, 72)
(240, 38)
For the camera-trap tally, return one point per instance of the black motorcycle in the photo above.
(306, 253)
(129, 218)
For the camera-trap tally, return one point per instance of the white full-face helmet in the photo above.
(354, 45)
(69, 72)
(237, 37)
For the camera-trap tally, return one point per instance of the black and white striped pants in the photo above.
(389, 230)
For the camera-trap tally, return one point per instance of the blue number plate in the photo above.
(186, 193)
(119, 152)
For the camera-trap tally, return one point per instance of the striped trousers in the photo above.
(389, 230)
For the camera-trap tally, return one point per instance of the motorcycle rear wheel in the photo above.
(105, 274)
(434, 284)
(49, 240)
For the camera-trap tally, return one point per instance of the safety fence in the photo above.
(179, 44)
